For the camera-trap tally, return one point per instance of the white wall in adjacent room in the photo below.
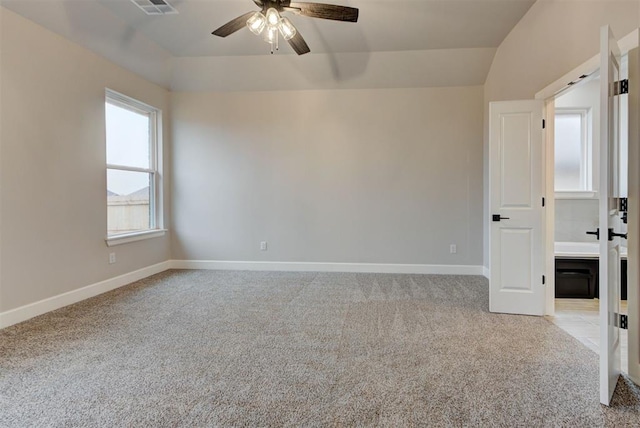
(52, 165)
(573, 217)
(363, 176)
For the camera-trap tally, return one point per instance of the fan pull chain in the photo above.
(275, 41)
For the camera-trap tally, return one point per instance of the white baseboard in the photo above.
(23, 313)
(31, 310)
(328, 267)
(486, 272)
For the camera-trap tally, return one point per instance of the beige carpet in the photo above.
(211, 348)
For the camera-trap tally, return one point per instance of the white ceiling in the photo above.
(396, 43)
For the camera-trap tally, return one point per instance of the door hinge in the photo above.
(543, 202)
(624, 204)
(621, 87)
(624, 208)
(544, 280)
(622, 321)
(544, 124)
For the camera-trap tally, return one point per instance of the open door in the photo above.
(516, 191)
(633, 262)
(609, 216)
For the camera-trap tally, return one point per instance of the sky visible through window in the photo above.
(127, 145)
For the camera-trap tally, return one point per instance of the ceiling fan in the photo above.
(270, 24)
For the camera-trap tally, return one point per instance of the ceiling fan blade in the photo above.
(233, 25)
(298, 44)
(258, 3)
(324, 11)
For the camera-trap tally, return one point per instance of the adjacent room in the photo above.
(276, 213)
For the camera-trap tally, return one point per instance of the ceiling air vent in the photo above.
(155, 7)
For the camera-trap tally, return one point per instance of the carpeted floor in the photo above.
(216, 348)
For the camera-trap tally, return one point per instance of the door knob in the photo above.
(595, 232)
(612, 234)
(496, 217)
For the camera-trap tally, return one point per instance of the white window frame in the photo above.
(155, 156)
(588, 157)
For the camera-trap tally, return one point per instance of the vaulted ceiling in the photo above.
(396, 43)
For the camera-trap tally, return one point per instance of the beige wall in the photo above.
(553, 38)
(52, 165)
(380, 176)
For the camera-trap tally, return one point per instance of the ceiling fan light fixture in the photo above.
(269, 18)
(256, 23)
(273, 17)
(271, 36)
(287, 29)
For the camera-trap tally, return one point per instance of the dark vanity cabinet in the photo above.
(578, 278)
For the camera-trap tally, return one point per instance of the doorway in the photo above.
(573, 183)
(521, 181)
(576, 128)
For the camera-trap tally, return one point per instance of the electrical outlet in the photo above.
(453, 249)
(112, 258)
(263, 246)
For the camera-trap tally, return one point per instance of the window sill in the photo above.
(577, 195)
(125, 238)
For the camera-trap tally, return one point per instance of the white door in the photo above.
(609, 216)
(633, 245)
(516, 186)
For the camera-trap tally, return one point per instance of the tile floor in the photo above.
(580, 318)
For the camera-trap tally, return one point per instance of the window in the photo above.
(573, 151)
(132, 174)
